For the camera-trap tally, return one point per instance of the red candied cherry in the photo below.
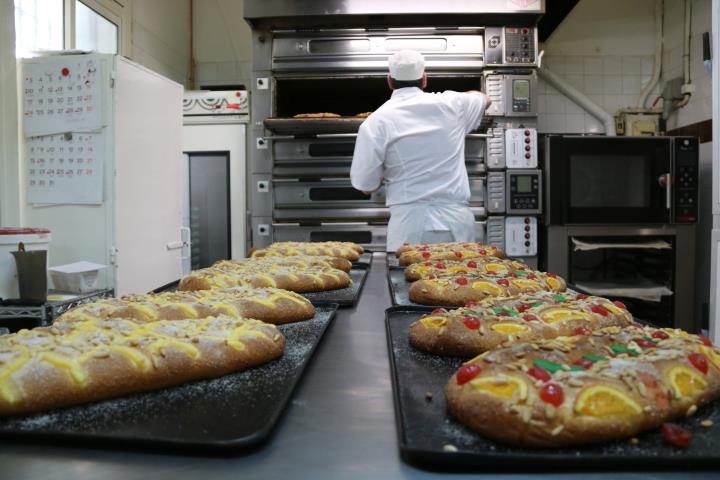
(471, 304)
(427, 264)
(467, 373)
(705, 340)
(659, 334)
(503, 314)
(581, 331)
(458, 254)
(675, 435)
(529, 318)
(531, 276)
(440, 266)
(699, 361)
(482, 251)
(645, 343)
(584, 363)
(472, 264)
(512, 275)
(637, 325)
(523, 307)
(582, 296)
(439, 311)
(426, 254)
(600, 310)
(461, 281)
(473, 323)
(552, 275)
(619, 304)
(552, 393)
(504, 282)
(539, 373)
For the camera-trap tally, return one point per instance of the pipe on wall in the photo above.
(580, 98)
(686, 87)
(657, 65)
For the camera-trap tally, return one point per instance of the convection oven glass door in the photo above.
(610, 180)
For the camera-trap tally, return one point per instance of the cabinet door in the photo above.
(148, 181)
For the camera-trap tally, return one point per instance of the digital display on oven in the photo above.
(521, 89)
(524, 184)
(604, 181)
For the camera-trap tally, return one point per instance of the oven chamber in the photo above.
(298, 174)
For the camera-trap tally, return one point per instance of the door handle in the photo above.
(665, 180)
(186, 242)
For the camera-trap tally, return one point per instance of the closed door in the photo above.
(209, 207)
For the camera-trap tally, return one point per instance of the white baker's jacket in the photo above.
(415, 144)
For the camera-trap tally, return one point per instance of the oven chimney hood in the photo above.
(280, 14)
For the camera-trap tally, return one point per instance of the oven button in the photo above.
(527, 133)
(527, 155)
(527, 140)
(527, 148)
(527, 235)
(527, 220)
(527, 244)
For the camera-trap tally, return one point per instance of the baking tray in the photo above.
(400, 290)
(393, 261)
(344, 297)
(313, 126)
(227, 414)
(364, 261)
(425, 429)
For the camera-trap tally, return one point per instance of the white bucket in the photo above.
(33, 239)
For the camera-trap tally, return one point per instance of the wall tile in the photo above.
(574, 65)
(612, 102)
(593, 84)
(571, 108)
(593, 65)
(542, 103)
(612, 84)
(612, 65)
(555, 123)
(575, 123)
(631, 65)
(556, 103)
(555, 63)
(631, 84)
(646, 65)
(576, 81)
(593, 125)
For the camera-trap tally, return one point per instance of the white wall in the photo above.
(604, 48)
(9, 195)
(700, 106)
(222, 43)
(161, 37)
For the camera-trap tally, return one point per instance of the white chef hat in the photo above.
(406, 65)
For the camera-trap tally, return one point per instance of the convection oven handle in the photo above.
(668, 191)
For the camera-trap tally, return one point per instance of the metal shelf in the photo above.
(48, 312)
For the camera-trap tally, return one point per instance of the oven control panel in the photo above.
(510, 45)
(523, 190)
(521, 148)
(686, 180)
(521, 236)
(512, 95)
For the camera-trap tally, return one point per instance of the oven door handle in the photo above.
(667, 183)
(353, 135)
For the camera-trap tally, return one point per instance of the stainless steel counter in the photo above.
(340, 424)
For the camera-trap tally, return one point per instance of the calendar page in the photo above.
(65, 168)
(62, 94)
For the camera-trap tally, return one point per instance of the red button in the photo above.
(527, 235)
(527, 148)
(527, 220)
(527, 133)
(527, 228)
(527, 140)
(65, 72)
(237, 94)
(527, 155)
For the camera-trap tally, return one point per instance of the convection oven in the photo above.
(310, 62)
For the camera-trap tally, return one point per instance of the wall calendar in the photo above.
(65, 168)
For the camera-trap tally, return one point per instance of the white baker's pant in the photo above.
(429, 223)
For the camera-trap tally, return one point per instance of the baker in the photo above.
(414, 144)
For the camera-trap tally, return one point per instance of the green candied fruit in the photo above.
(617, 348)
(521, 273)
(537, 304)
(551, 367)
(594, 358)
(559, 298)
(576, 368)
(508, 312)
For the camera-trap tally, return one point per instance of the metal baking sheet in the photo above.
(400, 290)
(429, 437)
(345, 297)
(364, 261)
(225, 414)
(313, 126)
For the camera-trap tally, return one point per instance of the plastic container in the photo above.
(33, 239)
(78, 277)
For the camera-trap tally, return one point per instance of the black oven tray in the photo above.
(345, 297)
(425, 429)
(226, 414)
(364, 261)
(313, 126)
(400, 290)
